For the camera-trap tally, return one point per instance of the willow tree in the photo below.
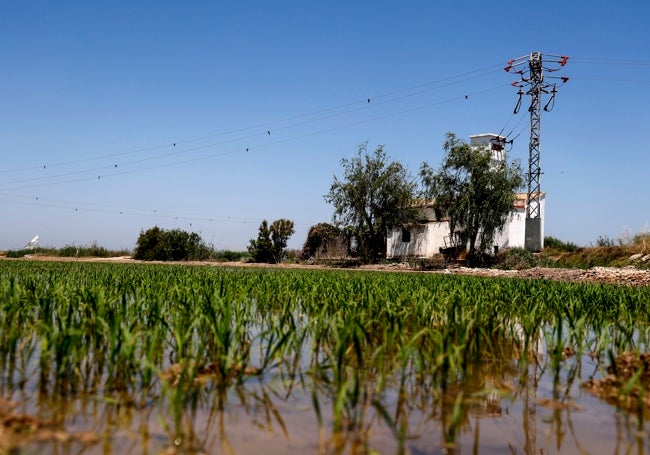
(373, 195)
(475, 191)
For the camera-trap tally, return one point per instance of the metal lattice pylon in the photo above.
(533, 200)
(532, 77)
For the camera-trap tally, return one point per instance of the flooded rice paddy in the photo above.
(127, 358)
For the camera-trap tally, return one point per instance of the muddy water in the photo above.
(543, 410)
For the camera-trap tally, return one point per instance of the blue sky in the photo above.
(211, 116)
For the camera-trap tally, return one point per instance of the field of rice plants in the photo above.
(150, 358)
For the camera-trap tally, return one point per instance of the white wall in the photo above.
(417, 247)
(515, 230)
(426, 240)
(437, 231)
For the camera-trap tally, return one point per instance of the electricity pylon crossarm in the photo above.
(532, 82)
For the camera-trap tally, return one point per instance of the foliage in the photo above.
(642, 240)
(372, 196)
(557, 244)
(261, 249)
(158, 244)
(632, 250)
(320, 240)
(271, 242)
(18, 253)
(605, 241)
(229, 256)
(281, 230)
(92, 250)
(516, 259)
(475, 191)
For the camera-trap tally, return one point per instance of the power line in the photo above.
(609, 61)
(609, 79)
(85, 207)
(116, 169)
(267, 126)
(95, 208)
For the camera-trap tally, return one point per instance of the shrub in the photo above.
(516, 259)
(157, 244)
(557, 244)
(18, 253)
(321, 238)
(92, 250)
(605, 241)
(292, 255)
(642, 240)
(229, 256)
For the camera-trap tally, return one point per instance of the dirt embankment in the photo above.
(608, 275)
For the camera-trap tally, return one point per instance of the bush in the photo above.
(157, 244)
(18, 253)
(92, 250)
(557, 244)
(516, 259)
(642, 240)
(292, 255)
(605, 241)
(229, 256)
(320, 239)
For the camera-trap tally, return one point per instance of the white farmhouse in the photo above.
(426, 239)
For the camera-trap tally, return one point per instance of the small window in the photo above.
(406, 235)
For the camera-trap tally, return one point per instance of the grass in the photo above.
(606, 253)
(90, 250)
(176, 338)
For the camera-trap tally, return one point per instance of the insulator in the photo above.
(518, 105)
(551, 102)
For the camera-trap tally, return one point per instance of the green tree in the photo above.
(373, 196)
(281, 230)
(157, 244)
(149, 245)
(271, 241)
(475, 191)
(261, 249)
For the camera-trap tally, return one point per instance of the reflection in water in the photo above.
(223, 372)
(335, 406)
(471, 405)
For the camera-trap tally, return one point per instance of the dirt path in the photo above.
(609, 275)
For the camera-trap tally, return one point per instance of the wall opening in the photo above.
(406, 235)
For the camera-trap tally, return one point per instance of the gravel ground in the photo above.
(609, 275)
